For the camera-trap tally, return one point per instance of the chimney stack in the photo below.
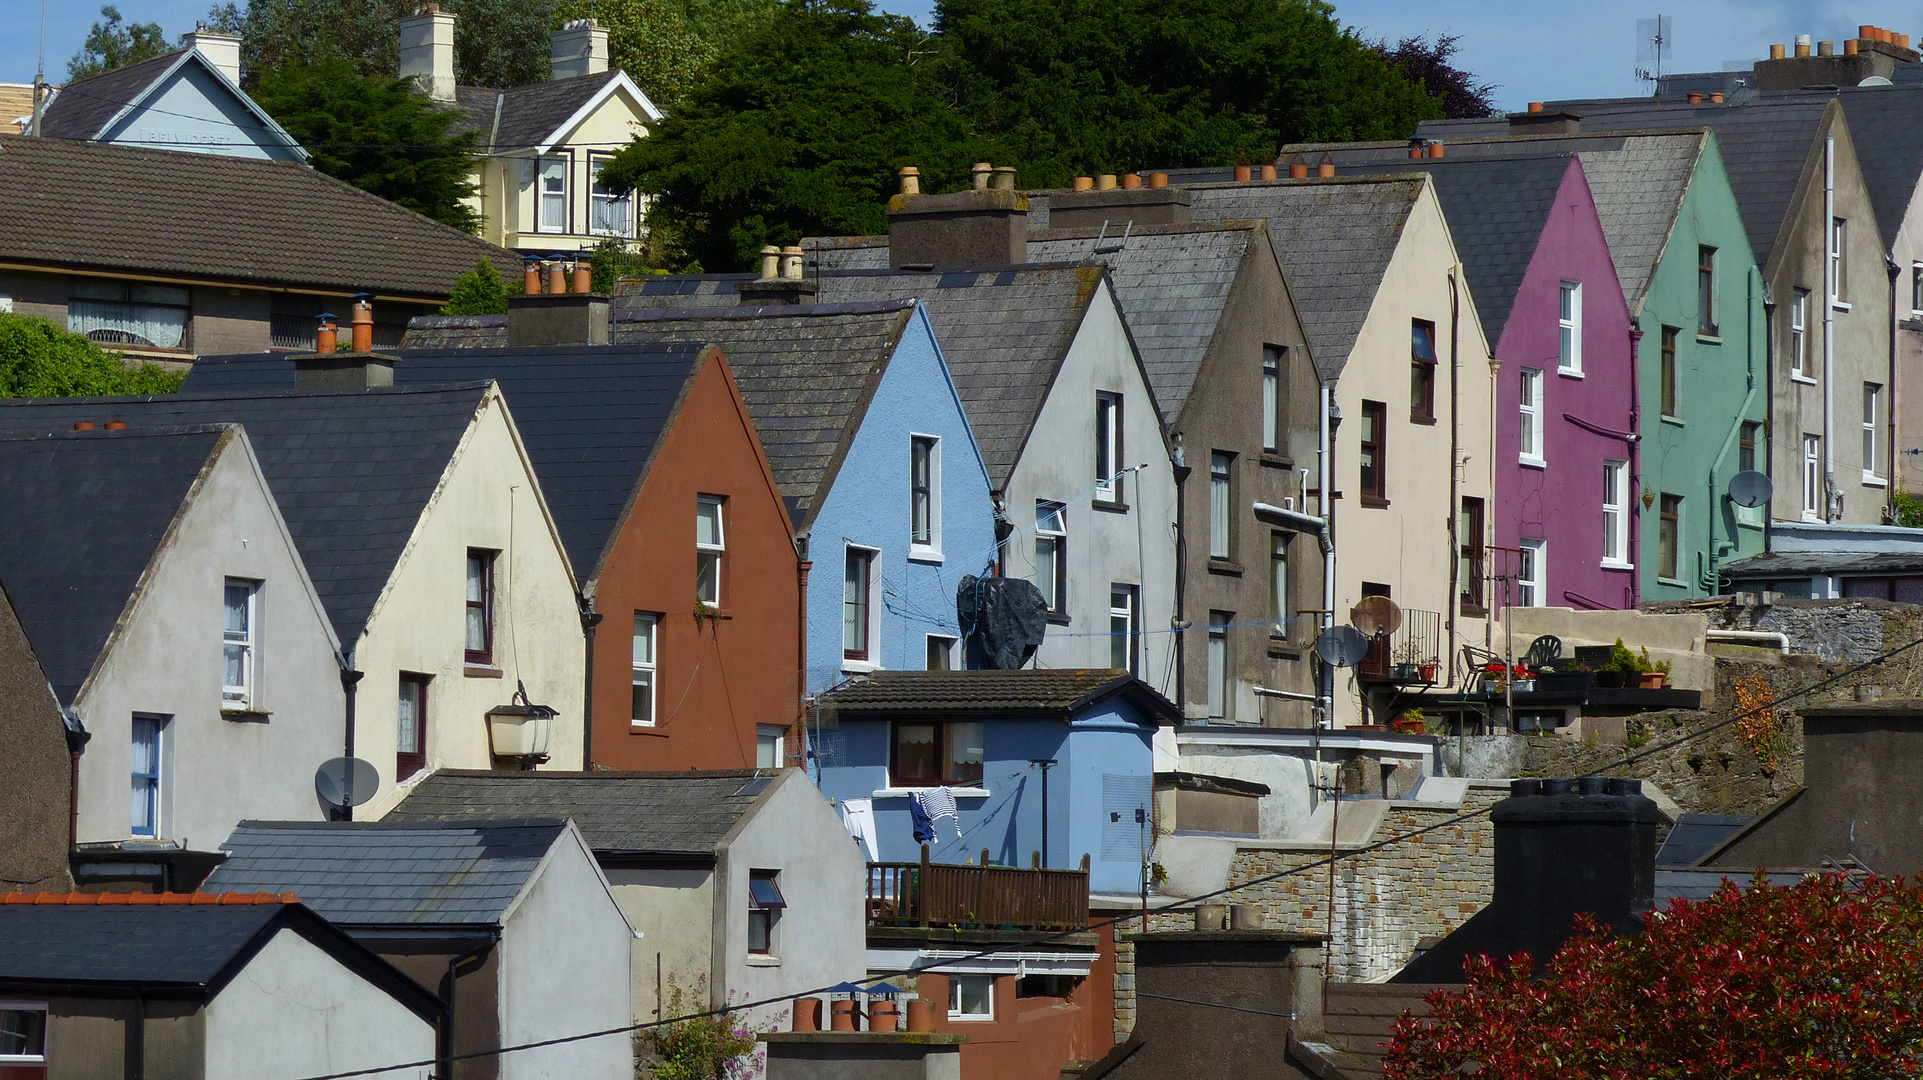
(557, 318)
(427, 52)
(220, 48)
(1875, 53)
(577, 49)
(782, 281)
(1141, 206)
(984, 226)
(327, 368)
(1562, 847)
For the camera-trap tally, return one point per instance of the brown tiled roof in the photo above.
(1024, 694)
(210, 217)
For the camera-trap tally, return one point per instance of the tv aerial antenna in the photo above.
(1655, 40)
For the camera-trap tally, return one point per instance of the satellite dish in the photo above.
(1749, 488)
(1341, 646)
(345, 781)
(1876, 80)
(1376, 616)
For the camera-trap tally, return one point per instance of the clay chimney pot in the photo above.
(1131, 181)
(1826, 48)
(83, 425)
(327, 335)
(1268, 172)
(583, 276)
(1535, 106)
(1695, 99)
(791, 262)
(1850, 47)
(1716, 97)
(1158, 180)
(770, 262)
(982, 171)
(557, 277)
(363, 325)
(1003, 178)
(910, 180)
(1298, 170)
(1105, 182)
(1083, 183)
(1866, 31)
(1326, 167)
(1435, 149)
(1241, 174)
(116, 425)
(1776, 52)
(1416, 149)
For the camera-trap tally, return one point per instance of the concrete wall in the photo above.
(565, 970)
(1677, 637)
(672, 911)
(166, 661)
(715, 679)
(1104, 546)
(33, 755)
(868, 506)
(1265, 971)
(1223, 412)
(296, 1011)
(507, 195)
(488, 498)
(195, 111)
(1406, 545)
(820, 939)
(1862, 332)
(1907, 410)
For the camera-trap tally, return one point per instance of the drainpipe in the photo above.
(803, 566)
(590, 619)
(1829, 326)
(1325, 691)
(1769, 411)
(1889, 381)
(1180, 623)
(1635, 465)
(444, 1048)
(1454, 596)
(350, 679)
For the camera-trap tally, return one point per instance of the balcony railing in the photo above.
(976, 897)
(1413, 654)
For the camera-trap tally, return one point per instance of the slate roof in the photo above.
(70, 568)
(1883, 130)
(351, 470)
(522, 117)
(1056, 693)
(455, 332)
(658, 813)
(1764, 143)
(1696, 835)
(1696, 886)
(188, 946)
(1002, 330)
(80, 109)
(588, 415)
(1334, 237)
(388, 874)
(213, 217)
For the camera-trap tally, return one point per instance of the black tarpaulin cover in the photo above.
(1002, 619)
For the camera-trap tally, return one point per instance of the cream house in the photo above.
(542, 146)
(1375, 273)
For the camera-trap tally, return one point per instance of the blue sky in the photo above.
(1587, 50)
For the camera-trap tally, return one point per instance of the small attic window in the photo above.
(754, 787)
(764, 893)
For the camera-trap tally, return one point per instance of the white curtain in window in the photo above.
(127, 323)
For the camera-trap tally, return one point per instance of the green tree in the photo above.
(377, 133)
(668, 45)
(1087, 86)
(112, 44)
(496, 42)
(480, 291)
(39, 359)
(799, 129)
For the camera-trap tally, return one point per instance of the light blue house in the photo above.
(185, 100)
(983, 736)
(873, 454)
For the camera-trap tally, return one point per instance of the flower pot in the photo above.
(842, 1016)
(1427, 671)
(1652, 680)
(807, 1014)
(921, 1014)
(884, 1015)
(1405, 671)
(1524, 686)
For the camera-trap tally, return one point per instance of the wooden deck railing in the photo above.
(976, 897)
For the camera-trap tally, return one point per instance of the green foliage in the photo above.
(496, 42)
(480, 291)
(699, 1048)
(1091, 86)
(667, 46)
(614, 259)
(799, 129)
(375, 132)
(1623, 660)
(1427, 63)
(1907, 509)
(112, 44)
(39, 359)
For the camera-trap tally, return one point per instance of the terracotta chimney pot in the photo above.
(1416, 149)
(1298, 170)
(1268, 172)
(1435, 149)
(1131, 181)
(1902, 41)
(116, 425)
(1776, 52)
(530, 275)
(1084, 183)
(80, 425)
(363, 322)
(1326, 167)
(557, 277)
(1003, 178)
(1850, 47)
(1802, 44)
(1535, 106)
(1241, 174)
(327, 336)
(583, 276)
(791, 262)
(1695, 99)
(1158, 179)
(910, 180)
(1716, 97)
(1105, 182)
(1865, 30)
(1826, 48)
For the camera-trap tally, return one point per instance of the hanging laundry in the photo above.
(939, 803)
(858, 815)
(924, 829)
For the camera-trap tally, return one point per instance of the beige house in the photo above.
(542, 146)
(1369, 260)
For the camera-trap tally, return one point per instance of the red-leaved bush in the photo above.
(1819, 979)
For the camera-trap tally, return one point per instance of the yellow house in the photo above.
(542, 146)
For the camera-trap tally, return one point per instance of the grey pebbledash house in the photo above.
(510, 921)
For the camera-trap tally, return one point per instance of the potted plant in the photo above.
(1654, 676)
(1411, 722)
(1405, 667)
(1427, 670)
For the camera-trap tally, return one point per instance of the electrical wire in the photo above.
(1182, 905)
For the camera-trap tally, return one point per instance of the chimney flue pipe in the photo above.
(363, 322)
(583, 275)
(770, 262)
(910, 180)
(791, 262)
(530, 275)
(1003, 178)
(327, 336)
(557, 278)
(1326, 167)
(981, 172)
(1776, 52)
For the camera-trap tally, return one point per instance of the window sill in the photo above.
(1474, 611)
(1275, 461)
(1839, 305)
(1528, 462)
(1109, 507)
(1056, 618)
(924, 555)
(1283, 650)
(859, 667)
(904, 792)
(245, 716)
(953, 1019)
(1226, 566)
(1871, 480)
(1757, 525)
(1374, 502)
(1425, 419)
(646, 729)
(1570, 373)
(1679, 583)
(1708, 339)
(481, 671)
(763, 960)
(1804, 379)
(1674, 420)
(1608, 565)
(1812, 519)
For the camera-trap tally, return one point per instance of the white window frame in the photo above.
(1529, 408)
(546, 169)
(1615, 508)
(764, 733)
(1532, 574)
(955, 1012)
(1799, 336)
(157, 791)
(1056, 596)
(8, 1060)
(1569, 328)
(718, 550)
(870, 660)
(241, 696)
(930, 549)
(1109, 447)
(1221, 505)
(646, 672)
(1812, 477)
(1916, 288)
(1838, 270)
(1129, 615)
(599, 197)
(1872, 413)
(947, 644)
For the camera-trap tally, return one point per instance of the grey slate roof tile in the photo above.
(181, 945)
(519, 118)
(1058, 692)
(473, 870)
(395, 444)
(227, 218)
(82, 108)
(85, 513)
(669, 812)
